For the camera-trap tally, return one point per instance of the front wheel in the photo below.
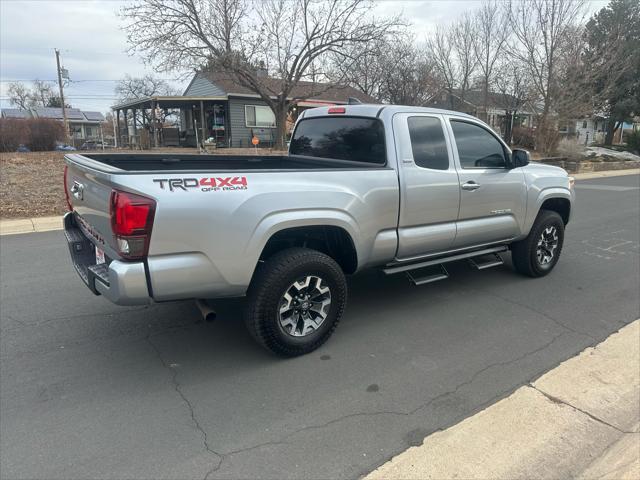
(295, 301)
(537, 254)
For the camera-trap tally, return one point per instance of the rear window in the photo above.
(340, 138)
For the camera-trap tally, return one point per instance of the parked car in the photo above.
(22, 149)
(94, 145)
(403, 189)
(63, 147)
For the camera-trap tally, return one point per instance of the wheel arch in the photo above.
(332, 240)
(555, 199)
(560, 205)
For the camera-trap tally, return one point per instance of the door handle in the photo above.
(470, 185)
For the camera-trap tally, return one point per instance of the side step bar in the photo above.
(438, 261)
(494, 261)
(434, 277)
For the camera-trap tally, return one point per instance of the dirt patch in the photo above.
(31, 183)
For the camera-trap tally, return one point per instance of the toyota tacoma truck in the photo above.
(402, 189)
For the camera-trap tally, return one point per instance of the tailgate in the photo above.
(89, 193)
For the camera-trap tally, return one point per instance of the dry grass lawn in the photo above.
(31, 184)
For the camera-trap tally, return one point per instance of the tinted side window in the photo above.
(340, 138)
(428, 144)
(477, 148)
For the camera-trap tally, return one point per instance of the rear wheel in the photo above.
(295, 301)
(537, 254)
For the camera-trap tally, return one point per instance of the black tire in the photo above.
(524, 253)
(272, 280)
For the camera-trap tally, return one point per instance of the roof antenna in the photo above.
(354, 101)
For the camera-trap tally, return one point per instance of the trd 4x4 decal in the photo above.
(205, 184)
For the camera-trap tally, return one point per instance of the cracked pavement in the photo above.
(92, 390)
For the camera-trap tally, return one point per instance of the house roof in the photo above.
(15, 113)
(73, 114)
(328, 92)
(473, 99)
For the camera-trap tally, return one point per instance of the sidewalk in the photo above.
(580, 420)
(45, 224)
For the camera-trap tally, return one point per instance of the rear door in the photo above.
(492, 196)
(430, 192)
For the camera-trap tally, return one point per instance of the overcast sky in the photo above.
(93, 46)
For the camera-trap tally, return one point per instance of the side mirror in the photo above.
(520, 158)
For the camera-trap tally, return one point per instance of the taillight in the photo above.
(66, 189)
(131, 223)
(337, 110)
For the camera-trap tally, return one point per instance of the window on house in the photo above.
(428, 143)
(88, 131)
(477, 148)
(584, 124)
(259, 116)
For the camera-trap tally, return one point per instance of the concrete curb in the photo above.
(30, 225)
(606, 173)
(46, 224)
(579, 420)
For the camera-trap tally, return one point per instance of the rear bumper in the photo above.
(123, 283)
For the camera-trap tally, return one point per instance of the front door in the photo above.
(492, 196)
(430, 192)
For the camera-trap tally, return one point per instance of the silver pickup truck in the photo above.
(403, 189)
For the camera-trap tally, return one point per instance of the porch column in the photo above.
(135, 127)
(126, 127)
(117, 128)
(153, 123)
(202, 129)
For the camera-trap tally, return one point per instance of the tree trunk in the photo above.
(280, 112)
(611, 130)
(485, 101)
(508, 133)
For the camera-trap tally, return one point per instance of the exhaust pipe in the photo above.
(208, 313)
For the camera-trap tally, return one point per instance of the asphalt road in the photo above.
(92, 390)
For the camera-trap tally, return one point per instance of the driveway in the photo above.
(92, 390)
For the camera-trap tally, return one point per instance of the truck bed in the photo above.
(152, 162)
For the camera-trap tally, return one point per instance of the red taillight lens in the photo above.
(337, 110)
(131, 223)
(66, 189)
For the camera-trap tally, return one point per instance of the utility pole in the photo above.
(64, 110)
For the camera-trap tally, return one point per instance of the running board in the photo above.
(495, 261)
(443, 275)
(438, 261)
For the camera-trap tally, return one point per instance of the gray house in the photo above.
(83, 125)
(215, 110)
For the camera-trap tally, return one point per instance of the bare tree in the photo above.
(364, 71)
(491, 31)
(540, 28)
(462, 35)
(513, 86)
(408, 74)
(42, 94)
(291, 38)
(19, 95)
(444, 61)
(394, 70)
(130, 88)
